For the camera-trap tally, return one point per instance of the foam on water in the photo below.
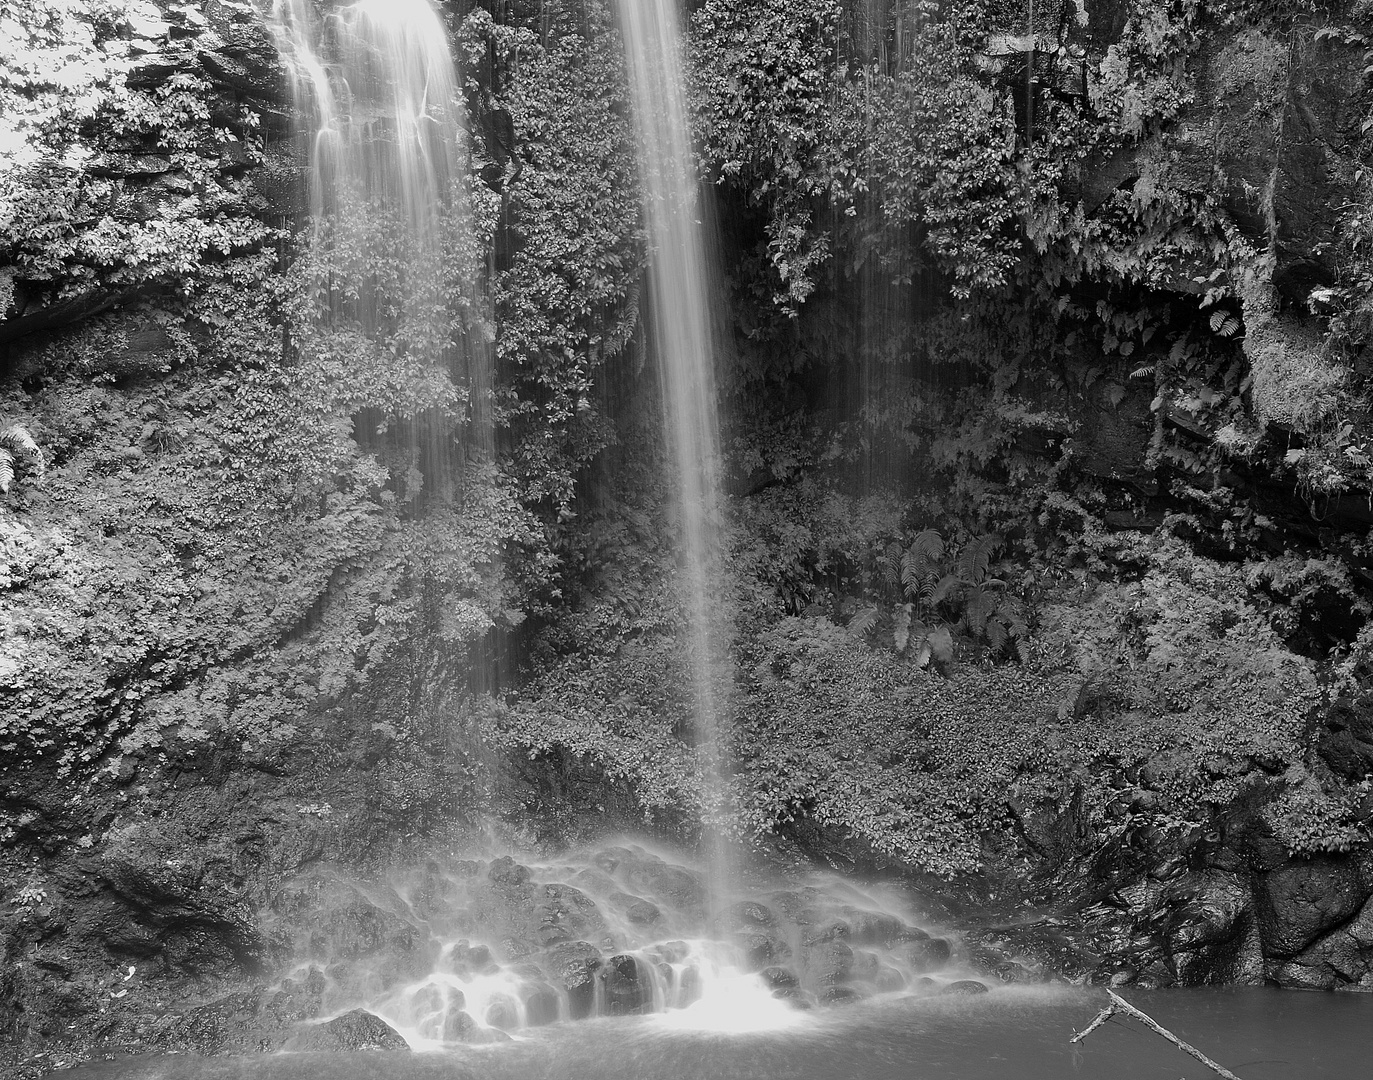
(477, 950)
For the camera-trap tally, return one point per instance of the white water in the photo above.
(477, 950)
(379, 104)
(682, 336)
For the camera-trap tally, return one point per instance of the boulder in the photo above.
(1297, 902)
(356, 1030)
(627, 986)
(573, 966)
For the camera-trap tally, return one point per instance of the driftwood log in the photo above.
(1120, 1005)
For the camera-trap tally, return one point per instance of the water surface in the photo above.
(1009, 1034)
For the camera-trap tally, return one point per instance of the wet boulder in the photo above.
(779, 978)
(627, 986)
(506, 871)
(828, 963)
(573, 966)
(542, 1004)
(929, 954)
(964, 988)
(760, 948)
(356, 1030)
(461, 1028)
(748, 914)
(636, 909)
(1302, 899)
(875, 927)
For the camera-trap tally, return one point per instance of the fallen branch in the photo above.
(1119, 1004)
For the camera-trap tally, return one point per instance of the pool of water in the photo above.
(1009, 1034)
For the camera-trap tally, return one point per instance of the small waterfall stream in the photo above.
(379, 105)
(682, 337)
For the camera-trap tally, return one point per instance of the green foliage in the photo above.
(111, 176)
(569, 252)
(16, 445)
(940, 593)
(1309, 820)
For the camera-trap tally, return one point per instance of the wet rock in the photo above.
(779, 978)
(874, 927)
(1300, 900)
(964, 988)
(573, 966)
(667, 884)
(542, 1004)
(506, 871)
(628, 990)
(503, 1015)
(563, 913)
(637, 910)
(469, 960)
(356, 1030)
(840, 995)
(829, 963)
(460, 1027)
(750, 913)
(888, 980)
(760, 949)
(928, 955)
(673, 952)
(1342, 958)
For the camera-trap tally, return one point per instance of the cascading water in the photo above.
(378, 100)
(682, 336)
(467, 951)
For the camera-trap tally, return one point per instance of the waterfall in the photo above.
(379, 104)
(682, 336)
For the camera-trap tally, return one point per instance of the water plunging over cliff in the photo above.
(379, 104)
(682, 337)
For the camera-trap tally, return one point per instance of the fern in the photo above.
(1224, 323)
(16, 442)
(901, 630)
(976, 557)
(864, 621)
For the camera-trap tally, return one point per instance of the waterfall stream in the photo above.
(682, 337)
(379, 106)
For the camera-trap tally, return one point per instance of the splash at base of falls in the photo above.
(480, 950)
(734, 1001)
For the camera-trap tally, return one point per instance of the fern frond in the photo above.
(15, 441)
(929, 544)
(1224, 323)
(911, 571)
(1012, 612)
(976, 557)
(891, 564)
(863, 621)
(947, 584)
(996, 634)
(978, 613)
(901, 630)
